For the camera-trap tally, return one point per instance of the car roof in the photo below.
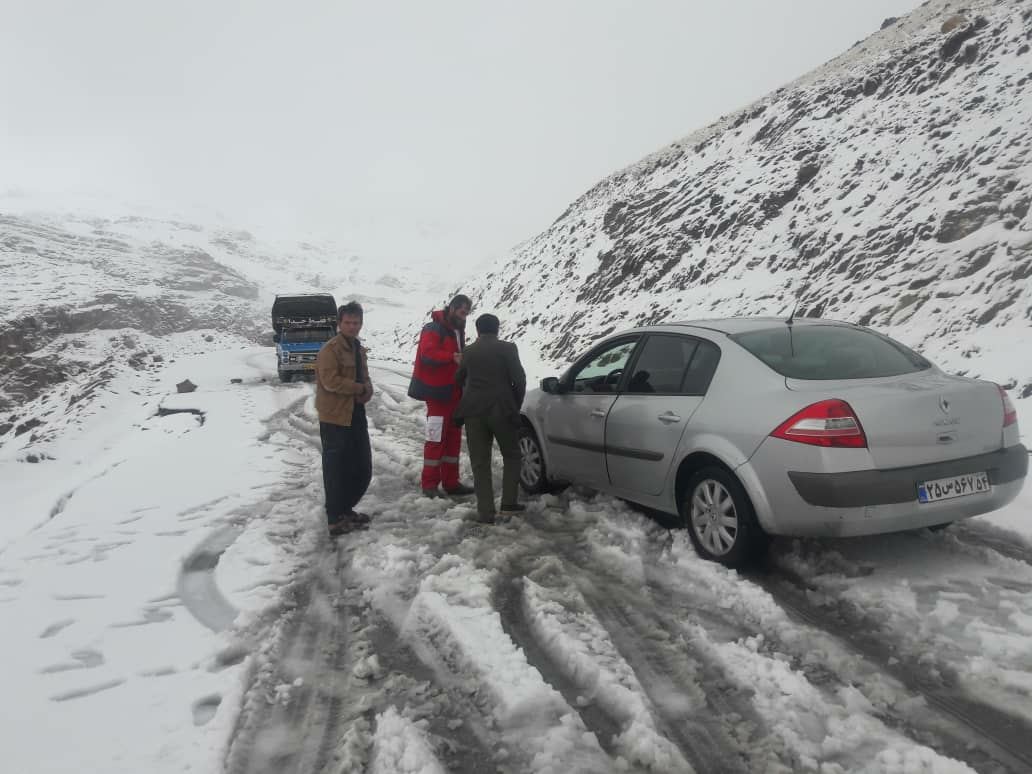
(733, 325)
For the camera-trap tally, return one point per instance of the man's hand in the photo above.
(367, 393)
(457, 357)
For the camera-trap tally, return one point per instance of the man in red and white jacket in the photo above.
(433, 380)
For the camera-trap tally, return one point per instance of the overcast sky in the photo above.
(422, 126)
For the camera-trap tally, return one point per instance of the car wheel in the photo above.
(720, 519)
(285, 376)
(533, 475)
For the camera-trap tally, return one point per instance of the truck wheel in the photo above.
(285, 376)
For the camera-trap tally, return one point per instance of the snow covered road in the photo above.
(584, 636)
(587, 637)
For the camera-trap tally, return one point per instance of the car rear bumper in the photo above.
(869, 502)
(886, 487)
(878, 519)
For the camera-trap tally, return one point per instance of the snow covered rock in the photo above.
(890, 188)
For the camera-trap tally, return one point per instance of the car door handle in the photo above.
(598, 413)
(669, 417)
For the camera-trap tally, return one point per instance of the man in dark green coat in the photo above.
(493, 386)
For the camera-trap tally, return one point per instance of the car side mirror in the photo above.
(550, 385)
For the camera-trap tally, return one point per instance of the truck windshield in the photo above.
(297, 335)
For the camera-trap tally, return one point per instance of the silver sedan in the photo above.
(752, 427)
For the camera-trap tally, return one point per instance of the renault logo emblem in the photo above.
(944, 405)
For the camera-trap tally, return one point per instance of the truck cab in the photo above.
(301, 324)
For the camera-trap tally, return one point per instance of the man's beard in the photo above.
(457, 322)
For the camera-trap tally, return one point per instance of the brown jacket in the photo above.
(336, 387)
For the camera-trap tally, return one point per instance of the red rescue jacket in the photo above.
(433, 375)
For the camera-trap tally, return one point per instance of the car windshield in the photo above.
(830, 352)
(296, 335)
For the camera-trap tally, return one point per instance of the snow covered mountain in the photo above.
(890, 188)
(171, 601)
(88, 297)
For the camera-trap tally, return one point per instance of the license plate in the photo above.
(308, 366)
(954, 486)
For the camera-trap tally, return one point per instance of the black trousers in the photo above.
(347, 463)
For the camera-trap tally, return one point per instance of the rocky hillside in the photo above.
(890, 187)
(86, 297)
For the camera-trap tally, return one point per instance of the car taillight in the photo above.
(1010, 414)
(830, 423)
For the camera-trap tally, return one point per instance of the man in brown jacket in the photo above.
(342, 390)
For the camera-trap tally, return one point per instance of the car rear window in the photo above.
(830, 352)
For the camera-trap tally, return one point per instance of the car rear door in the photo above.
(667, 383)
(575, 420)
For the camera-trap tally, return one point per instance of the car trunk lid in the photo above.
(919, 418)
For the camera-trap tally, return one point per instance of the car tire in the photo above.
(533, 473)
(720, 518)
(285, 376)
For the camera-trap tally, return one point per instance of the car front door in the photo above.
(575, 418)
(668, 381)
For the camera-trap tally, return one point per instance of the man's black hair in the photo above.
(459, 301)
(350, 309)
(487, 323)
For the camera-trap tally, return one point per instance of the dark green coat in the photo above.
(492, 379)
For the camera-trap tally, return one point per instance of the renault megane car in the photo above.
(752, 427)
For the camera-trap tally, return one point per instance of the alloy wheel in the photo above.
(530, 465)
(714, 518)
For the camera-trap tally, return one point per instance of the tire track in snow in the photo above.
(949, 727)
(416, 689)
(974, 732)
(278, 636)
(699, 593)
(662, 660)
(955, 724)
(285, 641)
(670, 674)
(299, 728)
(311, 726)
(196, 584)
(509, 603)
(308, 681)
(987, 538)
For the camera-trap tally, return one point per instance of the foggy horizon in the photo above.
(453, 130)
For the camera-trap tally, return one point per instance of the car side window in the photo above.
(662, 365)
(604, 369)
(703, 365)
